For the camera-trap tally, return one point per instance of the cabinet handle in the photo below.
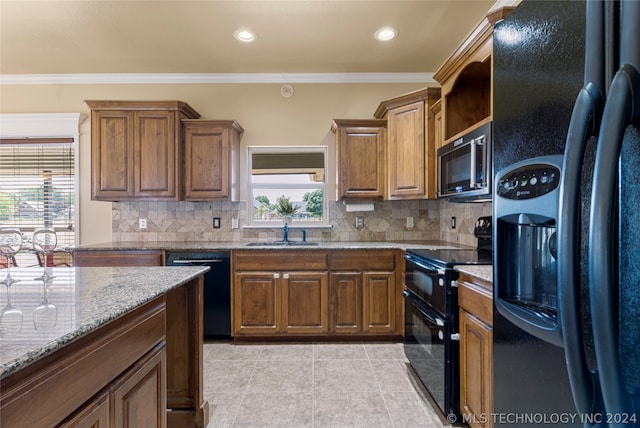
(285, 276)
(276, 275)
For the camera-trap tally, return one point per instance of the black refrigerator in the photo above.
(566, 163)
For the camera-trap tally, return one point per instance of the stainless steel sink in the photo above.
(280, 243)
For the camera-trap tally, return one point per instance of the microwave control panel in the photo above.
(530, 181)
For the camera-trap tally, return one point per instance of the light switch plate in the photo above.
(216, 222)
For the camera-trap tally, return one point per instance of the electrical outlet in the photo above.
(359, 222)
(235, 223)
(216, 222)
(142, 223)
(409, 222)
(453, 222)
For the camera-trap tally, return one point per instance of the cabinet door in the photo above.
(112, 155)
(406, 151)
(256, 303)
(206, 163)
(157, 154)
(345, 295)
(361, 164)
(305, 302)
(379, 302)
(139, 398)
(476, 373)
(95, 414)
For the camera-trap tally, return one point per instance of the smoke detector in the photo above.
(287, 90)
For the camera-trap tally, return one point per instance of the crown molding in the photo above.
(181, 78)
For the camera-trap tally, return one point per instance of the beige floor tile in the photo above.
(223, 408)
(227, 376)
(393, 375)
(276, 376)
(296, 351)
(339, 351)
(282, 410)
(231, 351)
(385, 351)
(348, 409)
(409, 409)
(344, 375)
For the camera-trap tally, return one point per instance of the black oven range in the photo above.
(431, 316)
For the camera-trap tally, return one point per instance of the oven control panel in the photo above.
(529, 181)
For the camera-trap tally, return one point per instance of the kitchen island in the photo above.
(119, 346)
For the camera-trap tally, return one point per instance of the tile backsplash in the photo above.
(193, 221)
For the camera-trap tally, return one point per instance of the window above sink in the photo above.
(287, 177)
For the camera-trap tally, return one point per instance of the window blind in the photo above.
(37, 186)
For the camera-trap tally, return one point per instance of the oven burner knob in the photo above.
(455, 336)
(441, 282)
(440, 335)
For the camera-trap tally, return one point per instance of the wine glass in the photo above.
(10, 245)
(45, 315)
(44, 241)
(10, 316)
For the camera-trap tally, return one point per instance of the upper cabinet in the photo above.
(136, 149)
(466, 79)
(212, 159)
(360, 158)
(158, 150)
(411, 134)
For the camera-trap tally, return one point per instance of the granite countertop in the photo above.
(40, 318)
(483, 272)
(243, 245)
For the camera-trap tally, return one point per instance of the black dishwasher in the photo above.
(217, 288)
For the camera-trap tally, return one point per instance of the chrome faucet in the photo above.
(286, 233)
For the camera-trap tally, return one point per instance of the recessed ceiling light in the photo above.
(244, 35)
(386, 33)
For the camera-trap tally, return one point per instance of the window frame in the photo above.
(250, 187)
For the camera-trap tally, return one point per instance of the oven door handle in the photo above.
(425, 266)
(416, 303)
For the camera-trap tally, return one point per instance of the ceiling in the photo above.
(295, 36)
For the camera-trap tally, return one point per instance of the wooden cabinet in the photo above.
(272, 301)
(319, 294)
(411, 166)
(363, 293)
(360, 158)
(438, 135)
(476, 355)
(211, 159)
(95, 258)
(466, 80)
(136, 149)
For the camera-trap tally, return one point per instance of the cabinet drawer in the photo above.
(475, 299)
(383, 260)
(279, 260)
(96, 258)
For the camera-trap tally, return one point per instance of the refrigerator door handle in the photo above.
(585, 121)
(621, 109)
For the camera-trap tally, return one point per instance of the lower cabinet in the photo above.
(137, 398)
(363, 302)
(476, 355)
(323, 293)
(280, 302)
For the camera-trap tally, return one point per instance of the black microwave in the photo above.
(464, 166)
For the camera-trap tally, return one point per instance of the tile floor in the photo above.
(355, 384)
